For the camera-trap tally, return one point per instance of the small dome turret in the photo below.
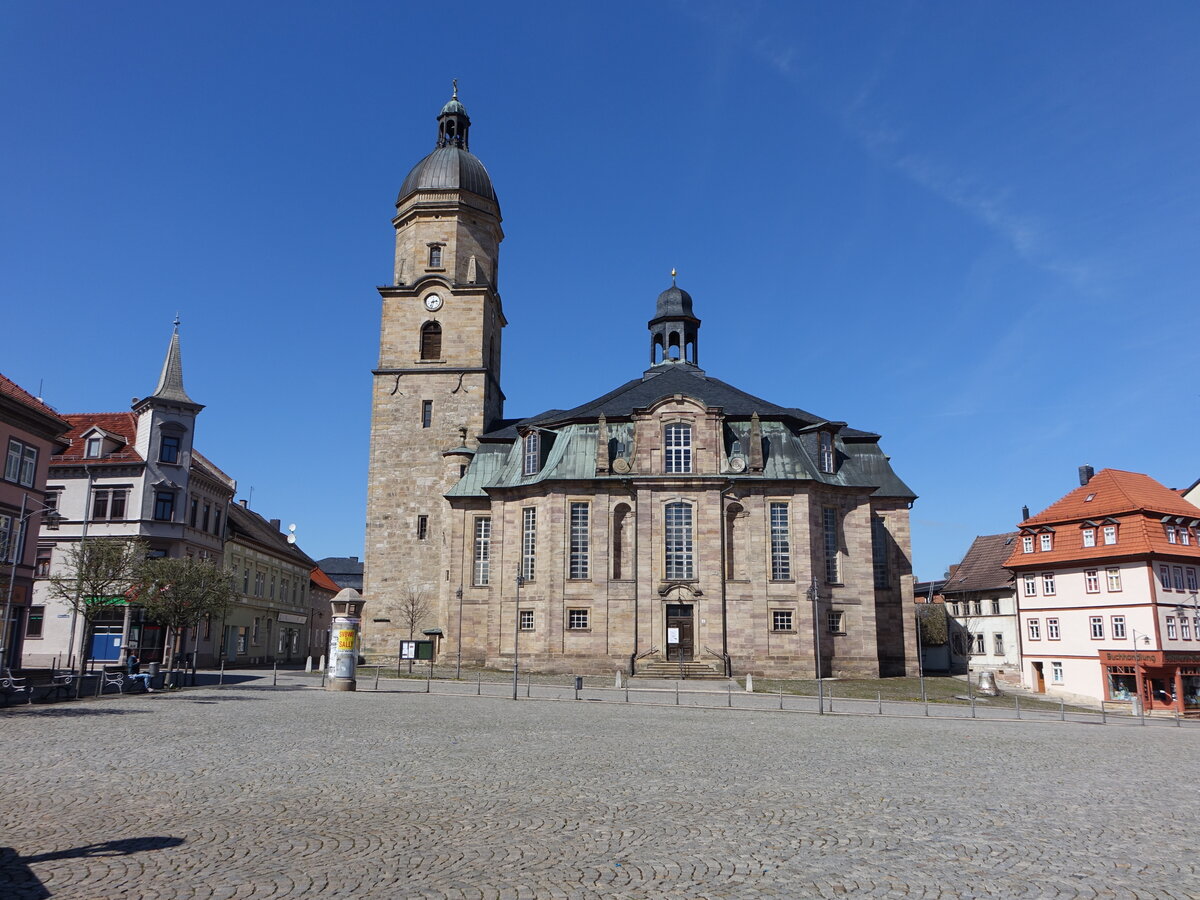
(674, 330)
(451, 166)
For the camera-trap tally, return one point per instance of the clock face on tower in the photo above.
(433, 302)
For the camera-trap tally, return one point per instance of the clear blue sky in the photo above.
(970, 227)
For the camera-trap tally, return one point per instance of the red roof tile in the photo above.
(122, 425)
(323, 581)
(22, 396)
(1114, 492)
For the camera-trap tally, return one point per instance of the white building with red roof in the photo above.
(131, 474)
(1107, 583)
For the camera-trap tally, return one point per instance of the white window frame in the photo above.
(1031, 585)
(526, 619)
(835, 619)
(1170, 529)
(1117, 624)
(782, 620)
(1110, 534)
(826, 453)
(779, 514)
(1164, 577)
(1045, 542)
(578, 619)
(1089, 537)
(679, 557)
(532, 453)
(1048, 589)
(1096, 627)
(1091, 581)
(1172, 631)
(1113, 576)
(1053, 630)
(677, 448)
(829, 530)
(529, 542)
(579, 526)
(1056, 672)
(1035, 629)
(1027, 543)
(482, 555)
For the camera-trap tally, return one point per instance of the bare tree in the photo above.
(413, 608)
(101, 573)
(178, 593)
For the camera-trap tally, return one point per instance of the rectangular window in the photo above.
(580, 541)
(1172, 634)
(426, 413)
(1114, 579)
(1048, 584)
(1185, 536)
(995, 607)
(1191, 579)
(781, 620)
(1118, 628)
(207, 516)
(92, 448)
(1164, 577)
(99, 505)
(827, 457)
(977, 646)
(164, 506)
(679, 550)
(1030, 585)
(678, 441)
(272, 587)
(879, 553)
(997, 644)
(1089, 537)
(1096, 625)
(6, 538)
(836, 620)
(1035, 629)
(532, 453)
(1170, 534)
(193, 512)
(1177, 572)
(829, 522)
(527, 620)
(422, 528)
(1185, 628)
(246, 581)
(1027, 544)
(781, 554)
(217, 522)
(168, 451)
(1110, 534)
(42, 566)
(1052, 631)
(483, 550)
(528, 542)
(976, 609)
(21, 465)
(577, 619)
(1045, 541)
(1091, 581)
(435, 256)
(257, 625)
(1056, 672)
(34, 621)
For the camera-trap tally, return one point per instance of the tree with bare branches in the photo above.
(413, 608)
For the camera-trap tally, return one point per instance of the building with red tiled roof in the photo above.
(1107, 584)
(30, 431)
(134, 474)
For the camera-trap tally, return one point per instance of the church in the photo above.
(673, 524)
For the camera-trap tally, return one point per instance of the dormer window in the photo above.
(1171, 539)
(1110, 534)
(92, 447)
(168, 449)
(678, 445)
(1027, 543)
(532, 453)
(1045, 541)
(1089, 537)
(827, 457)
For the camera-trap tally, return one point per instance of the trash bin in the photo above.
(579, 682)
(152, 670)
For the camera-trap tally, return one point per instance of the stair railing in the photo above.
(726, 660)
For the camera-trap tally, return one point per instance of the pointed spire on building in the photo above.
(170, 381)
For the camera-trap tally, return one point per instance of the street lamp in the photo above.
(1138, 681)
(458, 665)
(517, 631)
(814, 595)
(16, 548)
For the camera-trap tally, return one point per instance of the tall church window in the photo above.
(533, 453)
(435, 255)
(827, 457)
(483, 550)
(431, 341)
(879, 553)
(781, 549)
(679, 546)
(829, 523)
(528, 542)
(678, 448)
(580, 538)
(426, 413)
(622, 538)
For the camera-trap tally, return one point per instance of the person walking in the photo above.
(132, 664)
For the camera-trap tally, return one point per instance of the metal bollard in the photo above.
(1062, 710)
(528, 678)
(221, 677)
(478, 683)
(729, 697)
(781, 698)
(1176, 718)
(275, 675)
(677, 693)
(926, 705)
(972, 706)
(377, 668)
(879, 697)
(1103, 714)
(831, 699)
(626, 690)
(1017, 703)
(322, 676)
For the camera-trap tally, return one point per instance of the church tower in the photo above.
(437, 385)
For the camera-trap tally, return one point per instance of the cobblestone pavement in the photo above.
(252, 792)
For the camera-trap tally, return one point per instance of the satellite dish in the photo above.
(291, 538)
(292, 527)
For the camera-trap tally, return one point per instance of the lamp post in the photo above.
(458, 665)
(15, 549)
(814, 594)
(1138, 681)
(517, 631)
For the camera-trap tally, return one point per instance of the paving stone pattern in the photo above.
(252, 792)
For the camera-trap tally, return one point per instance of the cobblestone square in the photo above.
(252, 792)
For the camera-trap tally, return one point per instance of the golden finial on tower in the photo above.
(672, 276)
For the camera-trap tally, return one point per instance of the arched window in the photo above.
(678, 448)
(435, 255)
(680, 557)
(431, 341)
(622, 540)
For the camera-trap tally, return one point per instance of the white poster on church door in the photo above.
(672, 635)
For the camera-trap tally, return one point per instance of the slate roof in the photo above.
(448, 169)
(982, 569)
(249, 525)
(170, 380)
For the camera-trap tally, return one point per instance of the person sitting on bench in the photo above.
(132, 663)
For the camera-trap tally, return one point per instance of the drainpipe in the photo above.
(724, 578)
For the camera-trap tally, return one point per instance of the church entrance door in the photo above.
(680, 641)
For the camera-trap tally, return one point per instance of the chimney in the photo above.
(1085, 474)
(245, 503)
(274, 524)
(1024, 513)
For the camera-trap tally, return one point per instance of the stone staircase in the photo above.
(656, 667)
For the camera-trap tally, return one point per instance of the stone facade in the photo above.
(674, 520)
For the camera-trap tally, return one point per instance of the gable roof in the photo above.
(323, 581)
(249, 525)
(121, 425)
(15, 392)
(982, 569)
(1115, 492)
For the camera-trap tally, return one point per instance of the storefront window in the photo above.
(1122, 683)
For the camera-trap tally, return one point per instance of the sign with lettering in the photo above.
(672, 635)
(345, 639)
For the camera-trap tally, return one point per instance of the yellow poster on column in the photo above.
(346, 639)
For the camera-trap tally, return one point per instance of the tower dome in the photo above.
(451, 166)
(674, 330)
